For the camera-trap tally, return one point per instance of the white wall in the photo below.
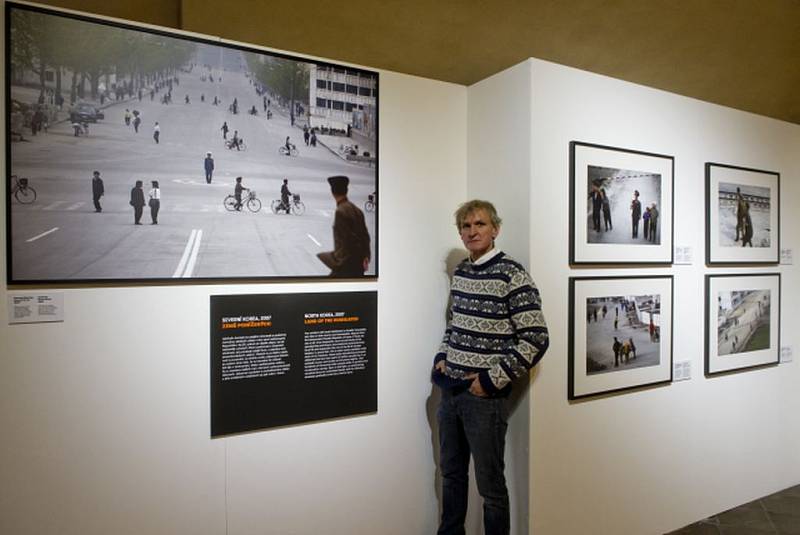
(105, 417)
(498, 169)
(650, 461)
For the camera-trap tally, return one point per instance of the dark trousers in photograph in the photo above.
(137, 214)
(470, 425)
(155, 205)
(97, 207)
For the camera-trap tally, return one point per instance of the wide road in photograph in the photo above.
(61, 237)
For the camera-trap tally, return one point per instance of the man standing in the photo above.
(495, 334)
(137, 201)
(739, 213)
(208, 163)
(156, 132)
(597, 207)
(351, 250)
(97, 191)
(636, 213)
(653, 223)
(616, 347)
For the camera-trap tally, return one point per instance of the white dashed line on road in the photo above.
(54, 205)
(312, 238)
(189, 258)
(42, 235)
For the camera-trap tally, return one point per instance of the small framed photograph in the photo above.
(742, 215)
(742, 321)
(620, 333)
(621, 205)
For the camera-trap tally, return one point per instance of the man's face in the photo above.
(478, 233)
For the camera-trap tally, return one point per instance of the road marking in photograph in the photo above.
(75, 206)
(314, 240)
(42, 235)
(54, 205)
(325, 213)
(189, 258)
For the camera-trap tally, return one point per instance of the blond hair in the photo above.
(473, 206)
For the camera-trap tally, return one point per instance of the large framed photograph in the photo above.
(621, 206)
(620, 333)
(139, 154)
(743, 326)
(742, 215)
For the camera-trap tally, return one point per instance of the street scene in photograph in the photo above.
(127, 147)
(744, 218)
(622, 333)
(623, 206)
(743, 321)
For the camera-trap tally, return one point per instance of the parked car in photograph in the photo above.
(85, 113)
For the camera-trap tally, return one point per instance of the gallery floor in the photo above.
(777, 513)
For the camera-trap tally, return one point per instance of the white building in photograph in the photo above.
(339, 97)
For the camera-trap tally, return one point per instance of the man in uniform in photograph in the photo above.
(495, 335)
(97, 191)
(208, 164)
(351, 250)
(636, 214)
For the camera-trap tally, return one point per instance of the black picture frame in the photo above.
(60, 239)
(744, 310)
(593, 167)
(643, 313)
(734, 193)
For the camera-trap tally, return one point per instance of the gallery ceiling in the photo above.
(744, 54)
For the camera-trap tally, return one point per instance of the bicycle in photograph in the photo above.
(231, 146)
(296, 206)
(372, 202)
(251, 201)
(22, 191)
(283, 151)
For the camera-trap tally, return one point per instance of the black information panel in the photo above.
(281, 359)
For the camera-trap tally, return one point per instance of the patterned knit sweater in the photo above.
(496, 326)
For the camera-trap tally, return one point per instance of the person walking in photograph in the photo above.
(137, 201)
(208, 164)
(137, 120)
(97, 191)
(156, 132)
(636, 214)
(154, 202)
(646, 223)
(496, 333)
(351, 249)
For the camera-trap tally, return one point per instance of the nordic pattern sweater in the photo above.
(496, 326)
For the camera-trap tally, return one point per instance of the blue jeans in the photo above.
(472, 425)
